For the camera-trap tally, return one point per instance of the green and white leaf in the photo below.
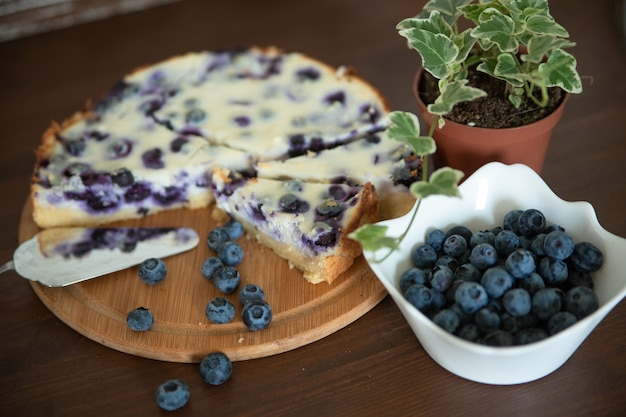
(404, 127)
(545, 25)
(560, 71)
(453, 93)
(504, 67)
(437, 50)
(540, 46)
(443, 181)
(447, 7)
(497, 29)
(374, 237)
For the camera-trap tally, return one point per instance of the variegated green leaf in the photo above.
(560, 71)
(373, 237)
(447, 7)
(508, 70)
(454, 92)
(443, 181)
(498, 29)
(404, 127)
(540, 46)
(545, 25)
(437, 50)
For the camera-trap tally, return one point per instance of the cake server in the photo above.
(64, 256)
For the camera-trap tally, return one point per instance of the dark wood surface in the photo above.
(375, 366)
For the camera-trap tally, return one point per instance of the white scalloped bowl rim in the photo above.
(486, 196)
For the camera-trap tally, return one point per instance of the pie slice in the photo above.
(306, 223)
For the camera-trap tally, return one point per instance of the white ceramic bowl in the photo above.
(486, 197)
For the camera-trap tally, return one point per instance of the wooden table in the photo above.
(375, 366)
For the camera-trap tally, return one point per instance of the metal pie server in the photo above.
(64, 256)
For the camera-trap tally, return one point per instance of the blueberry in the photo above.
(587, 257)
(195, 116)
(558, 245)
(137, 192)
(123, 177)
(546, 303)
(460, 230)
(435, 239)
(487, 319)
(454, 245)
(517, 302)
(496, 281)
(531, 222)
(420, 296)
(216, 238)
(553, 271)
(506, 242)
(581, 301)
(289, 203)
(152, 158)
(471, 297)
(483, 256)
(498, 338)
(119, 149)
(447, 261)
(172, 395)
(177, 144)
(152, 270)
(75, 147)
(211, 265)
(536, 244)
(216, 368)
(469, 332)
(230, 253)
(441, 278)
(577, 278)
(468, 272)
(484, 236)
(140, 319)
(256, 315)
(234, 229)
(439, 300)
(530, 335)
(447, 320)
(560, 321)
(520, 263)
(249, 293)
(226, 279)
(510, 220)
(532, 283)
(424, 256)
(329, 208)
(220, 311)
(411, 276)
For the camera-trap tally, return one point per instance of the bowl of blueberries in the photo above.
(504, 283)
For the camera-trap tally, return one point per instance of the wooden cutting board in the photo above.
(302, 312)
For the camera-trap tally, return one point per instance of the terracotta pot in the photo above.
(468, 148)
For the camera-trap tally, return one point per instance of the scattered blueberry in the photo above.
(560, 321)
(531, 222)
(172, 394)
(510, 220)
(553, 271)
(530, 335)
(435, 239)
(152, 271)
(581, 301)
(250, 292)
(498, 338)
(454, 245)
(140, 319)
(517, 302)
(226, 279)
(256, 315)
(289, 203)
(520, 263)
(483, 256)
(216, 368)
(506, 242)
(220, 311)
(216, 238)
(487, 319)
(546, 302)
(211, 265)
(230, 253)
(234, 229)
(496, 281)
(441, 278)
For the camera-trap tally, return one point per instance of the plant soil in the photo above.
(494, 110)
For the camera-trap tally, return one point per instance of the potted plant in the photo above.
(485, 58)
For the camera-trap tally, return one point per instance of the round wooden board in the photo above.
(302, 312)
